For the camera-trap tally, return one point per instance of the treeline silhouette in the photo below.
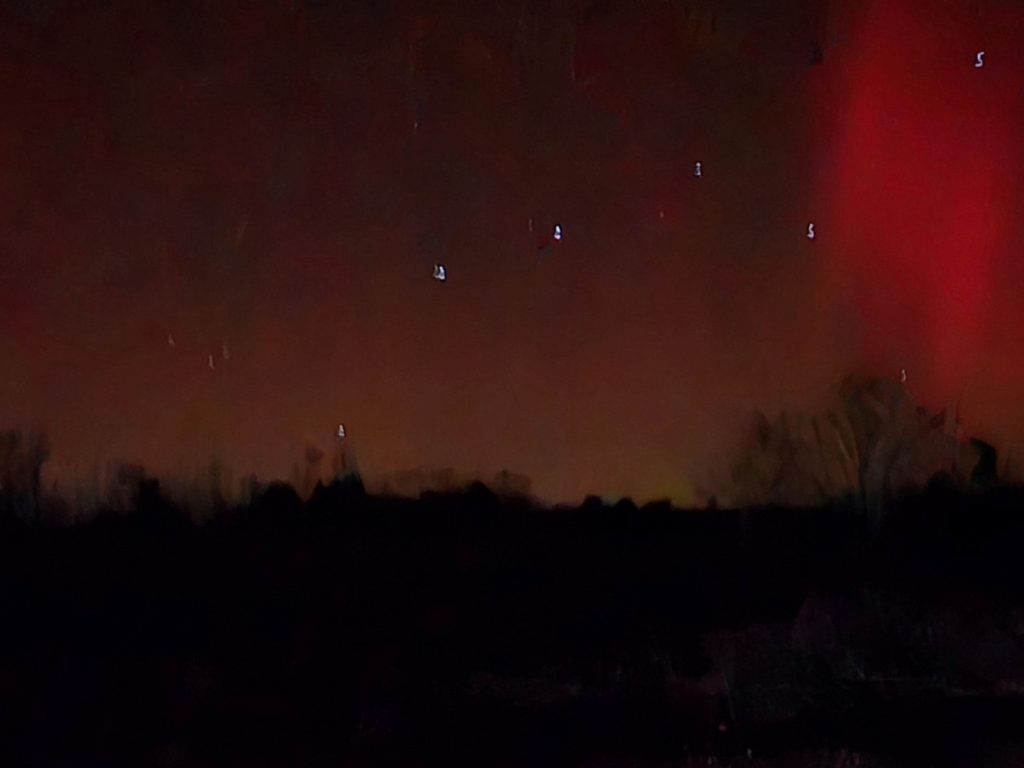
(473, 628)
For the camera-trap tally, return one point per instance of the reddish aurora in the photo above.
(279, 179)
(924, 192)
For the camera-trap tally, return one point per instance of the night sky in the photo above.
(272, 183)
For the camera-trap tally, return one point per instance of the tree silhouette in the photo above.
(873, 446)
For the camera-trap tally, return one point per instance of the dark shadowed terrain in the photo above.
(464, 629)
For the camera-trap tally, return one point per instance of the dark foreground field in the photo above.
(460, 630)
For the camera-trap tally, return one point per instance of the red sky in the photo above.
(250, 174)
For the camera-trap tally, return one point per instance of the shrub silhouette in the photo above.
(278, 503)
(341, 501)
(21, 462)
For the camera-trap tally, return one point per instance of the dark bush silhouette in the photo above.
(21, 462)
(278, 503)
(343, 501)
(984, 475)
